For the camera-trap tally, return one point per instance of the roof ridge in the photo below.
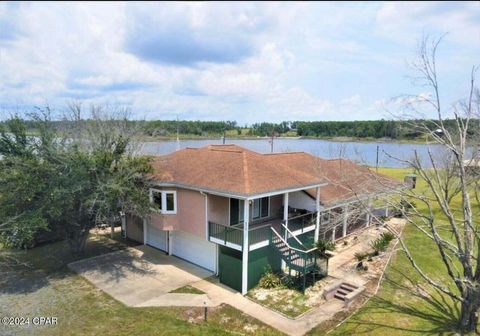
(245, 172)
(282, 153)
(226, 150)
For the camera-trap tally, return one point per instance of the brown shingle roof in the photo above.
(229, 169)
(346, 179)
(236, 170)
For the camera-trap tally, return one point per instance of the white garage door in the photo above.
(157, 238)
(194, 249)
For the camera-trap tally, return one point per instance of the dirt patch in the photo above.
(291, 302)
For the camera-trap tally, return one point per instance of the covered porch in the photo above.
(262, 231)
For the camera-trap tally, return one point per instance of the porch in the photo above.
(260, 233)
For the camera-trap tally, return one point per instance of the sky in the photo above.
(248, 62)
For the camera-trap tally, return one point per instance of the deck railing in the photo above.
(301, 222)
(225, 234)
(232, 235)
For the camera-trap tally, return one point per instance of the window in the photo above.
(165, 200)
(157, 198)
(170, 202)
(236, 211)
(258, 209)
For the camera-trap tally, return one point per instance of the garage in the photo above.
(194, 249)
(156, 238)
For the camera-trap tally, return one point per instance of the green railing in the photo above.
(234, 234)
(259, 234)
(301, 222)
(302, 261)
(225, 233)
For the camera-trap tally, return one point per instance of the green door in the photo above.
(230, 268)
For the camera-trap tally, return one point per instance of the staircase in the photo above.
(292, 257)
(299, 261)
(344, 289)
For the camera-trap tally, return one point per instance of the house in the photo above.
(234, 211)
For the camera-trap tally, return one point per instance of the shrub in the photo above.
(324, 245)
(381, 244)
(387, 236)
(361, 255)
(269, 279)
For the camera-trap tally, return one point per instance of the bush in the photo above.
(269, 279)
(381, 244)
(387, 236)
(361, 256)
(324, 245)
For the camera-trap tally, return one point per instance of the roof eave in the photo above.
(245, 196)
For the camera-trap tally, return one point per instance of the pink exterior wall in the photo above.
(218, 209)
(190, 216)
(276, 206)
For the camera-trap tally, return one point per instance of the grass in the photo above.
(401, 308)
(187, 290)
(47, 288)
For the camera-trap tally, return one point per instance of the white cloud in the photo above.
(243, 61)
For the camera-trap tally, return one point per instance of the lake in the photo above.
(362, 152)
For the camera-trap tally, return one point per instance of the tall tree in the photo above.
(447, 213)
(76, 177)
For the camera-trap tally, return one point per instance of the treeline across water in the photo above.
(393, 129)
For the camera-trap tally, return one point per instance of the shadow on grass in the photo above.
(37, 267)
(436, 309)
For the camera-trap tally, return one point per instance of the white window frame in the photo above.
(163, 194)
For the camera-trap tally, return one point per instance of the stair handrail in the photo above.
(295, 237)
(288, 245)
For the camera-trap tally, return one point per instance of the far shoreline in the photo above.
(181, 137)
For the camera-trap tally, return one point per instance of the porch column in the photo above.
(345, 220)
(317, 223)
(369, 209)
(333, 234)
(246, 219)
(285, 213)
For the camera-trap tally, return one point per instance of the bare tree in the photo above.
(450, 171)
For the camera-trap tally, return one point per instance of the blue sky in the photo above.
(247, 62)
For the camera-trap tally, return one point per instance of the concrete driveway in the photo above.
(143, 276)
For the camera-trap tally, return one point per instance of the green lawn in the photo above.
(48, 288)
(399, 308)
(187, 290)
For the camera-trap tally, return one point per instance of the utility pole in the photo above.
(376, 163)
(271, 141)
(178, 139)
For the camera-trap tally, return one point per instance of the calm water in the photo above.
(363, 152)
